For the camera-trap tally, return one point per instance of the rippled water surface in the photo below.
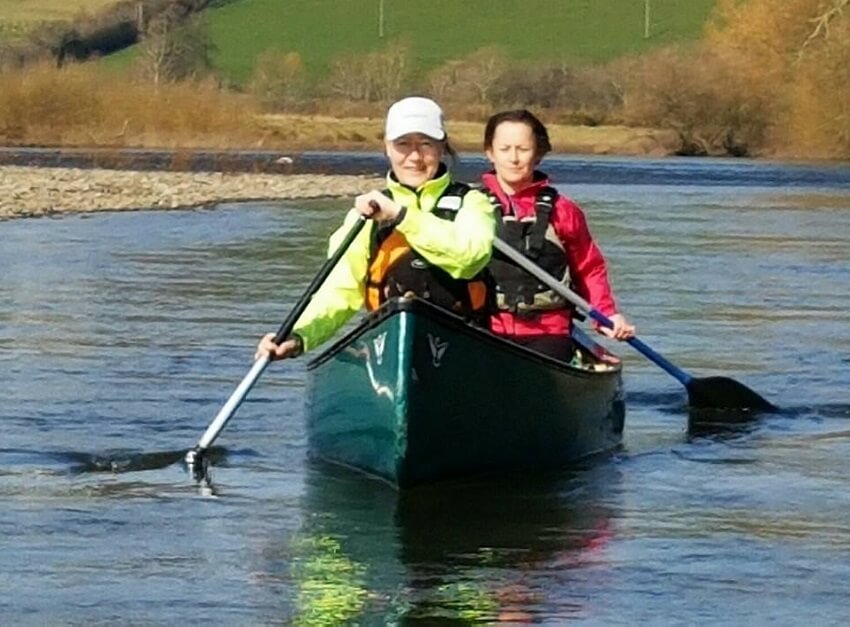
(122, 334)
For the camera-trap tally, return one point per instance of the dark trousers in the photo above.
(557, 346)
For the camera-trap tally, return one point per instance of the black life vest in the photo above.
(395, 269)
(514, 289)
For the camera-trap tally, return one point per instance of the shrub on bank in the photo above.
(701, 95)
(82, 105)
(279, 81)
(792, 66)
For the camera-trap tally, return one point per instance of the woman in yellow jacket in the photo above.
(428, 235)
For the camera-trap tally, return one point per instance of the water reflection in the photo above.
(482, 550)
(721, 422)
(732, 423)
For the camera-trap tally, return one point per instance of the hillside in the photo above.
(19, 16)
(319, 30)
(26, 11)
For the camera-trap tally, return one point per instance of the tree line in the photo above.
(767, 77)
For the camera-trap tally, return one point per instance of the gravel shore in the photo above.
(36, 191)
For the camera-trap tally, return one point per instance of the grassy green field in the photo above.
(584, 30)
(594, 30)
(17, 17)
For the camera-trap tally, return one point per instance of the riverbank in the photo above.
(58, 180)
(312, 132)
(76, 178)
(40, 191)
(286, 134)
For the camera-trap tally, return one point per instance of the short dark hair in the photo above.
(450, 150)
(542, 145)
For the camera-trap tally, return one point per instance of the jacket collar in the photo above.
(442, 173)
(435, 185)
(491, 181)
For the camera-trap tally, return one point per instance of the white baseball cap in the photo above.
(415, 115)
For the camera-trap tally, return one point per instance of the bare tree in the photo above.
(155, 50)
(822, 23)
(390, 71)
(346, 78)
(470, 80)
(378, 76)
(174, 48)
(279, 79)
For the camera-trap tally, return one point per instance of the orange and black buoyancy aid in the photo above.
(395, 269)
(515, 290)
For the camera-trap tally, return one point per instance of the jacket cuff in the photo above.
(299, 341)
(402, 214)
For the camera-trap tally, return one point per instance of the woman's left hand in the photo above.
(377, 206)
(621, 330)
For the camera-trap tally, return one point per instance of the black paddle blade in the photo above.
(124, 461)
(725, 393)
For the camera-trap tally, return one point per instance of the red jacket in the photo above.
(588, 272)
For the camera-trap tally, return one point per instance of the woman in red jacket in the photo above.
(548, 228)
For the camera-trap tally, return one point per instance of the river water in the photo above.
(121, 334)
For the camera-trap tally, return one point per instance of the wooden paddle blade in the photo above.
(725, 393)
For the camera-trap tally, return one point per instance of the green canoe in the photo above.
(414, 394)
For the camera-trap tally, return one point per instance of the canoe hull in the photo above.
(415, 395)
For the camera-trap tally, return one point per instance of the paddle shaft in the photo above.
(586, 308)
(229, 409)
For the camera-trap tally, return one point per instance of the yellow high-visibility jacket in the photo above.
(461, 247)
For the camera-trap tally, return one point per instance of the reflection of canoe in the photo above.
(414, 394)
(478, 550)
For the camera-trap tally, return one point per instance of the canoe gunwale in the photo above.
(418, 306)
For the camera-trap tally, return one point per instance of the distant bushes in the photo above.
(817, 118)
(574, 94)
(279, 81)
(174, 49)
(770, 76)
(83, 105)
(703, 96)
(471, 86)
(471, 80)
(374, 77)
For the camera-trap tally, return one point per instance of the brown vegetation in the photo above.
(83, 105)
(702, 96)
(174, 49)
(279, 81)
(375, 77)
(769, 77)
